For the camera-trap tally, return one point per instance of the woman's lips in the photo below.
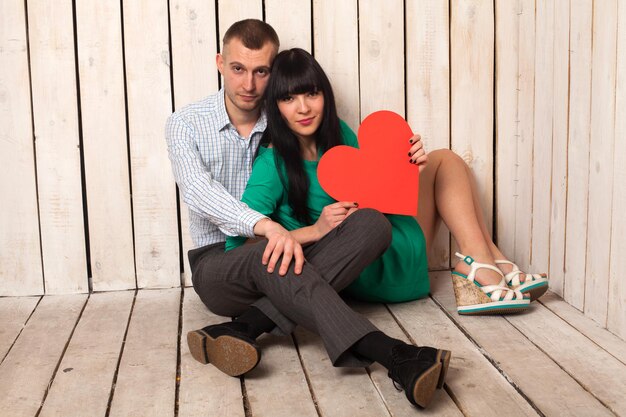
(306, 122)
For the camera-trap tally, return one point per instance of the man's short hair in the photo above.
(253, 34)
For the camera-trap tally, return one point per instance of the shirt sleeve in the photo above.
(263, 192)
(203, 194)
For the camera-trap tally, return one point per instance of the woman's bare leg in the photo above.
(495, 251)
(446, 194)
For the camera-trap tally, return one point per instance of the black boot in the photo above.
(227, 346)
(419, 371)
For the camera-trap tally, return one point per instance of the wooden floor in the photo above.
(122, 354)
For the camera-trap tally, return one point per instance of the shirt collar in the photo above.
(223, 120)
(261, 124)
(222, 116)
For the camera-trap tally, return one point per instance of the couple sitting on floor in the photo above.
(274, 250)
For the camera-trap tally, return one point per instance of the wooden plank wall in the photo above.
(529, 92)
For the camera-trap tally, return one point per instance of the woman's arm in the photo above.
(332, 215)
(306, 235)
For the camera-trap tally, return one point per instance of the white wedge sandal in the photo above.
(472, 298)
(535, 285)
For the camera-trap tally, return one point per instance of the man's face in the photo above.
(246, 73)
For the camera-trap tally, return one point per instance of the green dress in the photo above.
(400, 274)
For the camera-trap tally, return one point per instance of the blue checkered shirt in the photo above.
(212, 164)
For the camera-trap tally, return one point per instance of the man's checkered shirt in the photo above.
(211, 164)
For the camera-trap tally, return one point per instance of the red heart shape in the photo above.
(378, 175)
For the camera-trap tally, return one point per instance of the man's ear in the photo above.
(219, 61)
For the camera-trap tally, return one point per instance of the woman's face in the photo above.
(303, 113)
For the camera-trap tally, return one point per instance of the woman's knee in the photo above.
(444, 155)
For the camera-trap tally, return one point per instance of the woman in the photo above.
(418, 370)
(302, 125)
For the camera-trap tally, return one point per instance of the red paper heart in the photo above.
(378, 175)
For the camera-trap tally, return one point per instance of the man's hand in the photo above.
(280, 242)
(417, 153)
(332, 215)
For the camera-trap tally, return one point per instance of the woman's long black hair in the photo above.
(295, 71)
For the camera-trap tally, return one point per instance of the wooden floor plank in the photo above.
(442, 404)
(575, 318)
(550, 388)
(339, 392)
(569, 366)
(14, 312)
(146, 381)
(83, 381)
(277, 387)
(478, 387)
(204, 390)
(593, 367)
(29, 366)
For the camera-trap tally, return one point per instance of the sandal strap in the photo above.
(512, 278)
(501, 293)
(497, 292)
(475, 266)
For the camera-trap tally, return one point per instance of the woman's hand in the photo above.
(332, 215)
(417, 153)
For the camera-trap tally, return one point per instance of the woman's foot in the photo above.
(486, 276)
(480, 288)
(534, 285)
(508, 268)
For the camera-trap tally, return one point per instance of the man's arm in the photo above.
(280, 242)
(263, 192)
(199, 190)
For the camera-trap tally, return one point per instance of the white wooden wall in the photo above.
(531, 93)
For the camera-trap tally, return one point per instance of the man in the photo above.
(211, 145)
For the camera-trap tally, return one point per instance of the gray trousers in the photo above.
(230, 282)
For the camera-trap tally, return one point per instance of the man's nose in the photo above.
(249, 82)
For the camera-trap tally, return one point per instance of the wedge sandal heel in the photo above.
(472, 298)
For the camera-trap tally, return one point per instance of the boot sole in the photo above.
(426, 384)
(229, 354)
(444, 358)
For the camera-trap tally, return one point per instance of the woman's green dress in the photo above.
(400, 274)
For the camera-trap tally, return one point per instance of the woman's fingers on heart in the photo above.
(418, 155)
(415, 138)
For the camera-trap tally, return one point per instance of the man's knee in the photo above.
(374, 227)
(251, 252)
(221, 281)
